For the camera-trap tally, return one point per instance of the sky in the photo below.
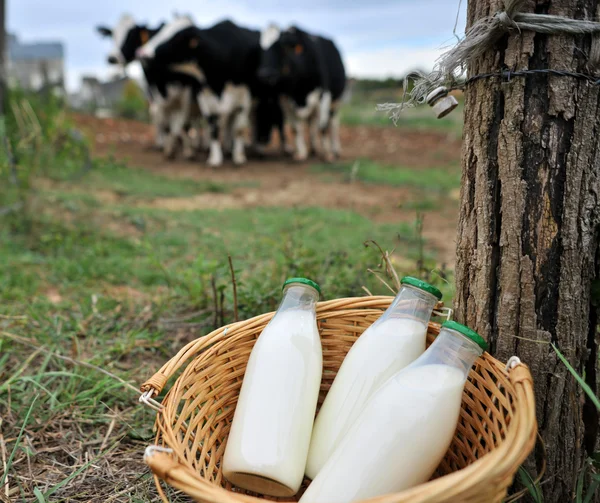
(377, 38)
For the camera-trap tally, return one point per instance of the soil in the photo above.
(277, 181)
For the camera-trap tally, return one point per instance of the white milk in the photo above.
(384, 349)
(399, 439)
(268, 443)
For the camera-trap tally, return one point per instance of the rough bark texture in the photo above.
(528, 236)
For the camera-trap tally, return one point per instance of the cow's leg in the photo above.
(193, 131)
(282, 138)
(336, 146)
(185, 111)
(210, 108)
(301, 153)
(236, 104)
(215, 155)
(326, 142)
(177, 124)
(163, 127)
(172, 111)
(228, 134)
(162, 132)
(254, 133)
(158, 122)
(240, 126)
(170, 143)
(190, 142)
(314, 135)
(288, 118)
(322, 117)
(206, 136)
(307, 113)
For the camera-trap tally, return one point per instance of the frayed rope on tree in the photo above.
(478, 39)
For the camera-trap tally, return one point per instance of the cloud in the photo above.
(391, 62)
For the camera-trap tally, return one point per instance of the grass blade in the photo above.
(77, 472)
(582, 383)
(18, 441)
(591, 491)
(530, 484)
(580, 482)
(39, 496)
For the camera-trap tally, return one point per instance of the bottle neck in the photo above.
(412, 303)
(451, 348)
(298, 296)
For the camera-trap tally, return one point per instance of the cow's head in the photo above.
(175, 42)
(127, 38)
(282, 55)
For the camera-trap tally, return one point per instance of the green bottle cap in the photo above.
(304, 281)
(467, 332)
(422, 285)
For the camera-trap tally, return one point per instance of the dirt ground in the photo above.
(279, 182)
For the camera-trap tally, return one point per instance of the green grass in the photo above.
(431, 179)
(98, 289)
(423, 203)
(133, 182)
(83, 250)
(361, 110)
(169, 248)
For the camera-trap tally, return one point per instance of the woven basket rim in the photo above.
(500, 462)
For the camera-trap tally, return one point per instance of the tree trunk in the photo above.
(528, 255)
(3, 77)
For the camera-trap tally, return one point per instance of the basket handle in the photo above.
(168, 469)
(520, 377)
(156, 383)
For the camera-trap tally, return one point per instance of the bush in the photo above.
(38, 139)
(133, 104)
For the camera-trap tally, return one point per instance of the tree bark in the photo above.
(528, 251)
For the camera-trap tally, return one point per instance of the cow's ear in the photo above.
(194, 42)
(104, 31)
(299, 49)
(144, 36)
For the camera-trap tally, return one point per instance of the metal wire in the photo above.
(507, 75)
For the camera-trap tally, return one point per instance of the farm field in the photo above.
(121, 264)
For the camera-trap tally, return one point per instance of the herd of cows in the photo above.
(225, 88)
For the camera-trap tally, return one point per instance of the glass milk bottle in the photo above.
(268, 443)
(406, 428)
(390, 344)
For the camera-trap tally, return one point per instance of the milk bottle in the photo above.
(407, 426)
(390, 344)
(268, 443)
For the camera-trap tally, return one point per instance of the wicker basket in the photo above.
(496, 430)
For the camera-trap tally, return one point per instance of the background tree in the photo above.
(2, 56)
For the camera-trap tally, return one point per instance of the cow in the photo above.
(227, 56)
(309, 73)
(267, 115)
(171, 90)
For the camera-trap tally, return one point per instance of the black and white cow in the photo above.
(267, 115)
(227, 56)
(171, 89)
(309, 72)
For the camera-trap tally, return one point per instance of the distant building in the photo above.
(101, 97)
(36, 65)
